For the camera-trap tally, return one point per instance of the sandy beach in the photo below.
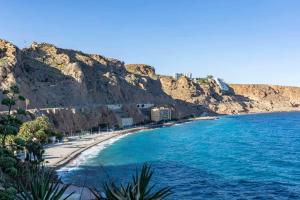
(60, 154)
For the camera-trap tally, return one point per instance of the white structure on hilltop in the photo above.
(161, 114)
(221, 83)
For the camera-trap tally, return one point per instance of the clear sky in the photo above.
(242, 41)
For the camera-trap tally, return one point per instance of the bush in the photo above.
(12, 171)
(7, 162)
(59, 135)
(20, 143)
(41, 136)
(8, 194)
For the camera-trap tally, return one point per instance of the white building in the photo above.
(189, 75)
(221, 83)
(161, 114)
(125, 122)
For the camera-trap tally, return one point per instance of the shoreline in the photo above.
(84, 192)
(71, 150)
(95, 139)
(91, 141)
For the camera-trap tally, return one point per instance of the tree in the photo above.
(35, 151)
(10, 123)
(39, 129)
(31, 136)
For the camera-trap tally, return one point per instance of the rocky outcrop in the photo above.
(9, 59)
(141, 69)
(267, 98)
(51, 77)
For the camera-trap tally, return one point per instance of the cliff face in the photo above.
(52, 77)
(269, 97)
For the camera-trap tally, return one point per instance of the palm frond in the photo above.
(43, 187)
(138, 189)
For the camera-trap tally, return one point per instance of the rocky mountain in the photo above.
(73, 87)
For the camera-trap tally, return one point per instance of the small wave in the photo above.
(87, 154)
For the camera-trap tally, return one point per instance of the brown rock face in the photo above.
(52, 77)
(182, 89)
(9, 57)
(270, 97)
(141, 69)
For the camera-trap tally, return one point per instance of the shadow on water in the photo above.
(186, 182)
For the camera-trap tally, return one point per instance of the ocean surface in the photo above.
(235, 157)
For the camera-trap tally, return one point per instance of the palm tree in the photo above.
(138, 189)
(42, 186)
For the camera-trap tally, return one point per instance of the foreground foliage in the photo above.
(42, 185)
(138, 189)
(33, 182)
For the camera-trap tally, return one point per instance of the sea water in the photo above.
(235, 157)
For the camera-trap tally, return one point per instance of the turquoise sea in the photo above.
(235, 157)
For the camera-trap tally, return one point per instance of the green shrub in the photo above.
(59, 135)
(6, 195)
(7, 162)
(11, 190)
(19, 143)
(12, 171)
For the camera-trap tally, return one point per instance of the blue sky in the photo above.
(242, 41)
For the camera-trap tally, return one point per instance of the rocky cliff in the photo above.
(51, 77)
(269, 98)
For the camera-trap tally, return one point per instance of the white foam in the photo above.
(87, 155)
